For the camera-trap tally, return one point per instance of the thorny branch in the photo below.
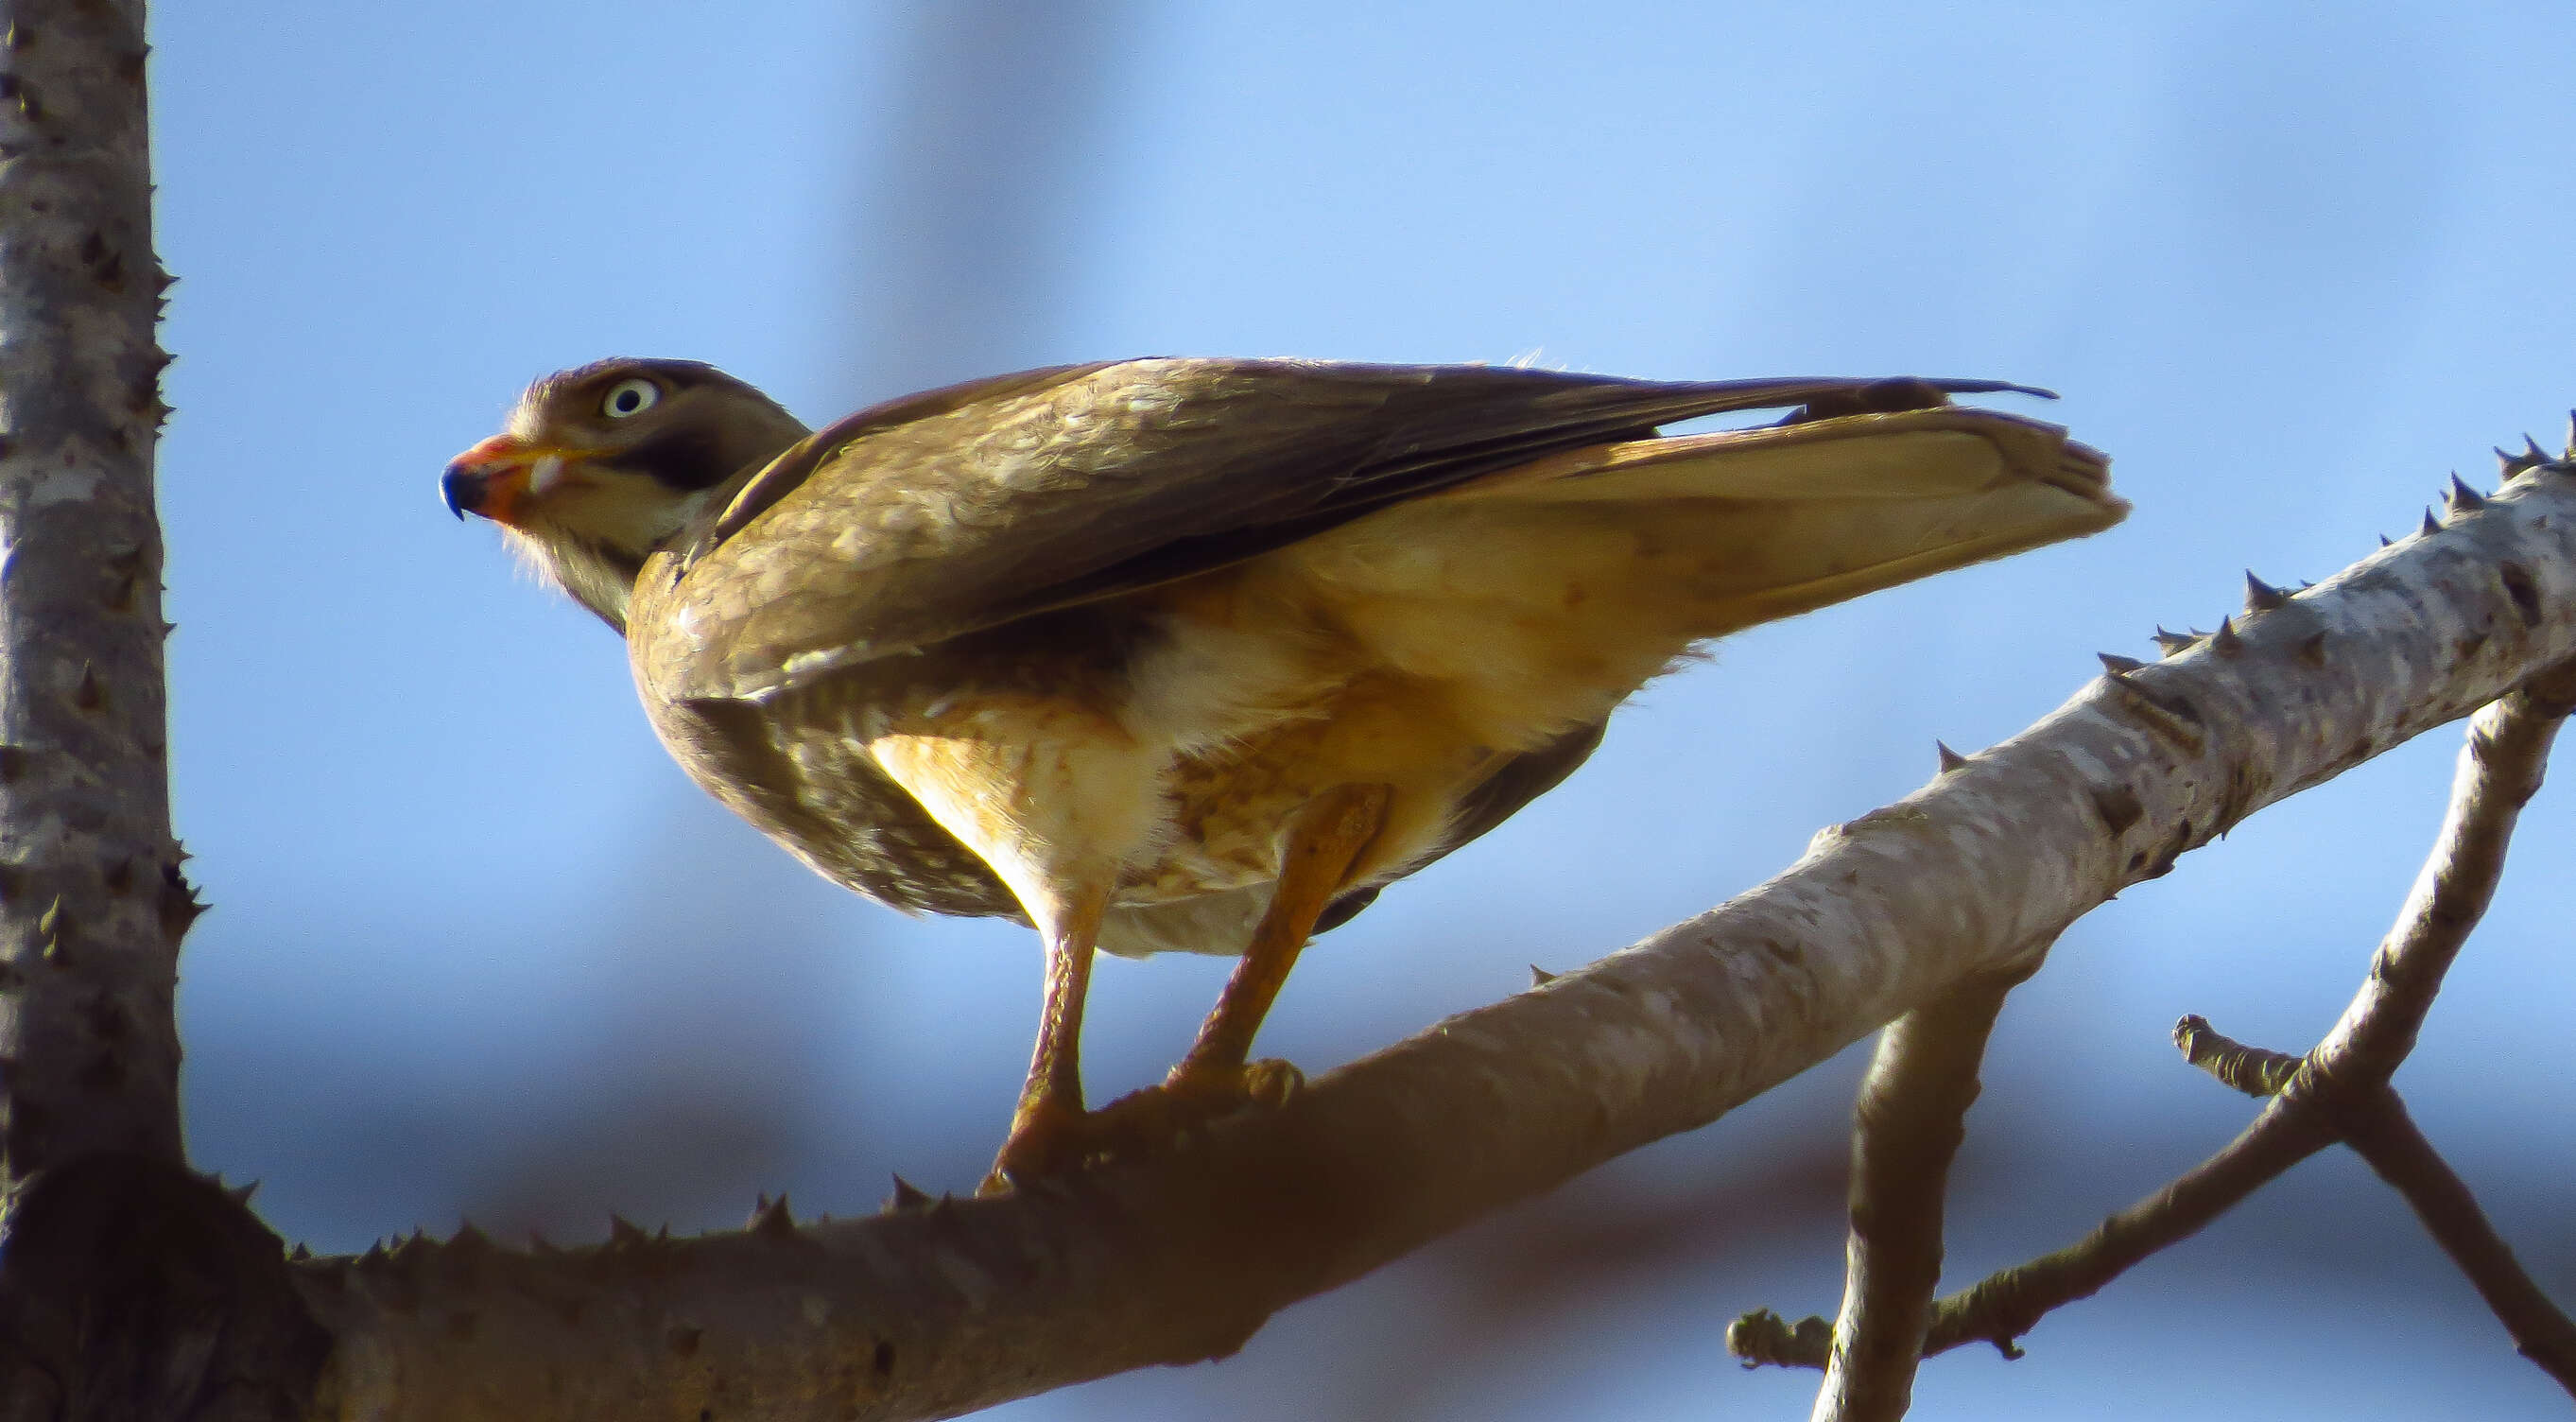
(939, 1308)
(2339, 1091)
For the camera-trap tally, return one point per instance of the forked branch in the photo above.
(2339, 1091)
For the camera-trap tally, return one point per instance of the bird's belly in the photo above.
(1225, 809)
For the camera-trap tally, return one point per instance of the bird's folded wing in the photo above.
(963, 509)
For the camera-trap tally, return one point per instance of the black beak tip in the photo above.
(461, 489)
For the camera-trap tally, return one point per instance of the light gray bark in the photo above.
(91, 905)
(129, 1289)
(932, 1311)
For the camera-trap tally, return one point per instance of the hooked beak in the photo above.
(494, 477)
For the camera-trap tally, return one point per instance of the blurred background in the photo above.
(478, 949)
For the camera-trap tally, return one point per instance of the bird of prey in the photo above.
(1199, 654)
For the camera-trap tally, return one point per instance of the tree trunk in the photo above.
(128, 1287)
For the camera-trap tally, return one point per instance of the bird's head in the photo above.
(600, 466)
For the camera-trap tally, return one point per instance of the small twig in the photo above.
(1906, 1126)
(2387, 1137)
(2256, 1071)
(2009, 1303)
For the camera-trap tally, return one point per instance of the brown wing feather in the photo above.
(914, 523)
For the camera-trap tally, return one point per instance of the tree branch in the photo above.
(2337, 1092)
(129, 1289)
(2387, 1137)
(924, 1313)
(89, 929)
(1906, 1126)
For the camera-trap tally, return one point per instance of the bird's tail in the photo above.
(1587, 572)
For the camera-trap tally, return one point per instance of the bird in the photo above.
(1200, 654)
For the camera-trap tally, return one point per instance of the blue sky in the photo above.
(477, 947)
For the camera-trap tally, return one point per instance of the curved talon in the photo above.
(1046, 1139)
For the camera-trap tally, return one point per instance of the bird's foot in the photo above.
(1047, 1140)
(1193, 1096)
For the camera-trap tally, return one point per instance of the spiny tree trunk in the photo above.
(128, 1288)
(93, 904)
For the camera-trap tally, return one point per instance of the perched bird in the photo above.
(1199, 654)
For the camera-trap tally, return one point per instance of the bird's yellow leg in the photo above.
(1318, 851)
(1050, 1132)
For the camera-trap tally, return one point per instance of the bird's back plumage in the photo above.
(1274, 575)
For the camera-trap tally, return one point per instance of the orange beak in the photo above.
(497, 476)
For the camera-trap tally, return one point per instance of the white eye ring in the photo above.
(629, 397)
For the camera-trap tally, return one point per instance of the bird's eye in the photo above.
(629, 397)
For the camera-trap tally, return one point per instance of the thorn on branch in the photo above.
(1540, 977)
(180, 905)
(2256, 1071)
(2118, 666)
(2511, 463)
(772, 1220)
(2224, 641)
(2261, 596)
(409, 1255)
(1950, 760)
(907, 1196)
(2463, 500)
(2430, 527)
(2174, 644)
(469, 1244)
